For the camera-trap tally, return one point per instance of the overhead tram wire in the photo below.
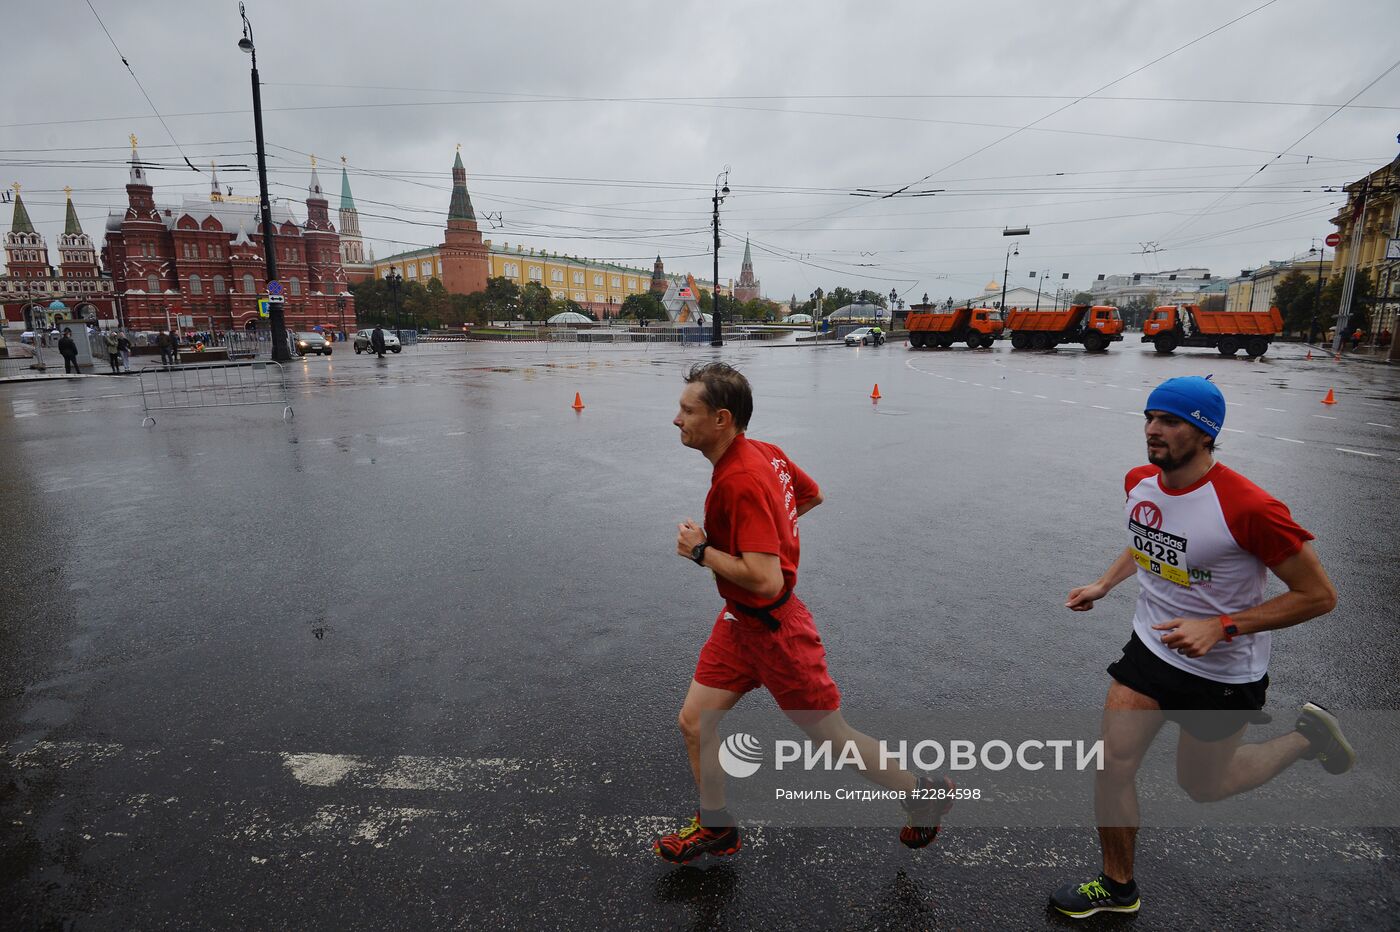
(139, 86)
(1254, 174)
(1072, 103)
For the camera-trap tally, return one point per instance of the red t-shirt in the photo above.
(755, 493)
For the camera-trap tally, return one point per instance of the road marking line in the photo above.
(1041, 397)
(454, 433)
(1068, 402)
(1387, 426)
(1014, 392)
(1101, 407)
(1357, 452)
(1276, 410)
(1232, 430)
(1325, 417)
(1288, 439)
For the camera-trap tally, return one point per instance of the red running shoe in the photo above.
(693, 840)
(926, 811)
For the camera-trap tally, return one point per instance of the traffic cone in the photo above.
(1330, 399)
(875, 395)
(1337, 358)
(578, 402)
(1309, 356)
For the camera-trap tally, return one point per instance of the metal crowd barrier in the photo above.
(216, 385)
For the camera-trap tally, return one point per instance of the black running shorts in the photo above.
(1176, 690)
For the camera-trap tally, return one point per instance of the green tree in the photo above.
(501, 298)
(534, 301)
(1294, 297)
(436, 308)
(1082, 297)
(644, 306)
(1358, 314)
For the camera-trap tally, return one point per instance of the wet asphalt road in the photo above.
(415, 657)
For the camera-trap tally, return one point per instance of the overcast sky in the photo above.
(597, 129)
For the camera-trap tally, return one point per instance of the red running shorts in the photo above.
(743, 654)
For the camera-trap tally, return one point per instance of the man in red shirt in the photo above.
(764, 635)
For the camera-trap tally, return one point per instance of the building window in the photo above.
(632, 283)
(580, 296)
(249, 286)
(296, 287)
(218, 284)
(152, 284)
(196, 285)
(427, 269)
(597, 280)
(412, 271)
(578, 278)
(556, 276)
(617, 281)
(536, 273)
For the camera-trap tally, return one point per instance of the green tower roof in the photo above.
(71, 226)
(21, 223)
(346, 201)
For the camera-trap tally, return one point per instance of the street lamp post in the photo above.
(1039, 282)
(721, 192)
(276, 319)
(340, 306)
(394, 280)
(817, 321)
(1013, 250)
(1317, 294)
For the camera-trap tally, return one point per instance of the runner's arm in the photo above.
(1310, 594)
(760, 573)
(1082, 598)
(810, 503)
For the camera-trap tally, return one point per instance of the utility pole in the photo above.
(721, 192)
(275, 317)
(1358, 223)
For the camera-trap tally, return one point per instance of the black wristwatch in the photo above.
(697, 553)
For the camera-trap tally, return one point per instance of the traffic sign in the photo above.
(274, 287)
(1392, 249)
(1334, 239)
(264, 307)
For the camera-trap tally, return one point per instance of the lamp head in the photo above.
(246, 44)
(724, 191)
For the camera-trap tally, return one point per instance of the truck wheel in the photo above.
(1094, 342)
(1228, 346)
(916, 340)
(1164, 342)
(1256, 347)
(944, 342)
(1019, 340)
(974, 341)
(1040, 341)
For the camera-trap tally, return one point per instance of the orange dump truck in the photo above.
(1094, 327)
(979, 326)
(1171, 326)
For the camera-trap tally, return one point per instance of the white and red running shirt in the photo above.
(1202, 552)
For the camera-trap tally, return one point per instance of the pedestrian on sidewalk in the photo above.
(69, 351)
(376, 340)
(163, 343)
(113, 357)
(124, 350)
(174, 347)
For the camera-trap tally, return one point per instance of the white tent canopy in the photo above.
(569, 317)
(798, 319)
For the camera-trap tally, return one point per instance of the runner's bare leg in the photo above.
(700, 714)
(1129, 727)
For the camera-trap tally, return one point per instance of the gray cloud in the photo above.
(543, 98)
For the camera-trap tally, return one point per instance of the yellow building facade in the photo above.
(599, 286)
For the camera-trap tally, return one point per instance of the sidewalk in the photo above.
(1376, 355)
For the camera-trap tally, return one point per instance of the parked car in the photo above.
(362, 338)
(861, 336)
(308, 343)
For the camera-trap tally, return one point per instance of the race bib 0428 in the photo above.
(1160, 553)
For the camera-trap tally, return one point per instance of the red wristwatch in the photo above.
(1227, 624)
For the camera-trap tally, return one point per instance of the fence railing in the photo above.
(216, 385)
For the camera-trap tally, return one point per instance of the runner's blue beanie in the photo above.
(1192, 398)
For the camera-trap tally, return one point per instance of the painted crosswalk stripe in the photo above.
(1288, 439)
(1357, 452)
